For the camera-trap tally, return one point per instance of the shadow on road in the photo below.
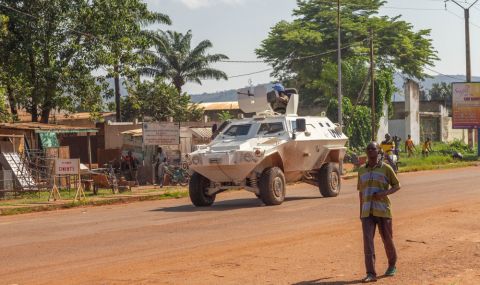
(228, 205)
(302, 198)
(217, 206)
(322, 281)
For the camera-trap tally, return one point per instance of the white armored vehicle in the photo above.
(263, 153)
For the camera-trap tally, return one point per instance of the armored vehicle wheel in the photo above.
(272, 186)
(329, 180)
(198, 191)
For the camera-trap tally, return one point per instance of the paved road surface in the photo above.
(306, 240)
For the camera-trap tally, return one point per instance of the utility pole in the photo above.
(372, 86)
(339, 67)
(468, 63)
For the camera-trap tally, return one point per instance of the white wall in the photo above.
(449, 134)
(383, 127)
(412, 110)
(397, 127)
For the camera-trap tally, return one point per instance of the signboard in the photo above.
(466, 105)
(67, 166)
(161, 133)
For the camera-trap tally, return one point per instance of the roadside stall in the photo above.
(39, 136)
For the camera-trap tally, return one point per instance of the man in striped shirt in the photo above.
(377, 180)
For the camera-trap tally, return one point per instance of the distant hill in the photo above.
(231, 95)
(222, 96)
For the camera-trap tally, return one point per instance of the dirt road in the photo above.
(306, 240)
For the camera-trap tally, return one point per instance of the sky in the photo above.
(237, 27)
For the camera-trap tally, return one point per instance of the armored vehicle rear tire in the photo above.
(329, 180)
(197, 190)
(272, 186)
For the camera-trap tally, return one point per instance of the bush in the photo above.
(450, 148)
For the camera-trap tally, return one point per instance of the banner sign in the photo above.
(67, 166)
(466, 105)
(161, 133)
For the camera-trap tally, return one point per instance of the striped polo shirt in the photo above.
(373, 180)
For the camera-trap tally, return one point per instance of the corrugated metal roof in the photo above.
(133, 133)
(197, 132)
(25, 117)
(40, 128)
(219, 106)
(202, 133)
(80, 116)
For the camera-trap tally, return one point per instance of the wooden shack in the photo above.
(38, 136)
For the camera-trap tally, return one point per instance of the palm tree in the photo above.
(174, 59)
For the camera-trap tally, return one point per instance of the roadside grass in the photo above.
(104, 196)
(42, 197)
(440, 158)
(30, 206)
(434, 161)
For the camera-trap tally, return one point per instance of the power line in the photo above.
(297, 58)
(439, 73)
(462, 18)
(410, 8)
(252, 73)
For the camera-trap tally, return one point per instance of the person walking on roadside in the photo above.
(396, 148)
(377, 180)
(410, 146)
(426, 147)
(132, 166)
(387, 147)
(161, 161)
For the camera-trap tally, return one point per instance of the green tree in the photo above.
(13, 77)
(314, 31)
(4, 114)
(173, 58)
(441, 92)
(158, 101)
(117, 25)
(224, 116)
(303, 53)
(51, 48)
(43, 50)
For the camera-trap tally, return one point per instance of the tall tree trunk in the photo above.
(118, 114)
(178, 82)
(12, 101)
(34, 112)
(48, 100)
(45, 115)
(33, 80)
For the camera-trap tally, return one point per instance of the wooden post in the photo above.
(89, 145)
(79, 194)
(54, 193)
(372, 87)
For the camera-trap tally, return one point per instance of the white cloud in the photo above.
(194, 4)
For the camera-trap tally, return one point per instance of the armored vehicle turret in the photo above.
(263, 153)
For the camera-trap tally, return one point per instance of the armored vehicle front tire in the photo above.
(197, 190)
(272, 186)
(329, 180)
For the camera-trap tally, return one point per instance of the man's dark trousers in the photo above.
(385, 228)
